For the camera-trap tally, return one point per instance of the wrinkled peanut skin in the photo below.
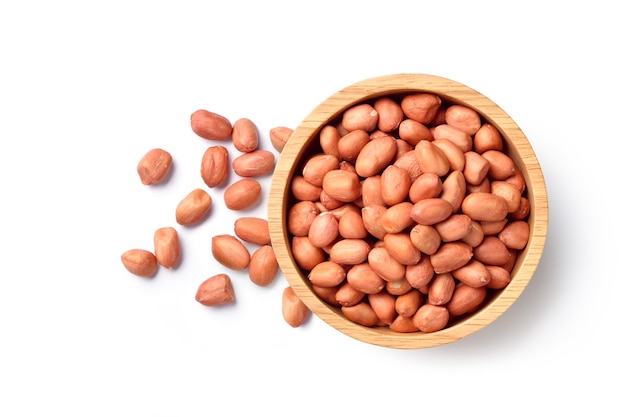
(216, 290)
(210, 125)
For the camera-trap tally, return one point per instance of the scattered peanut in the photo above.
(154, 166)
(140, 262)
(216, 290)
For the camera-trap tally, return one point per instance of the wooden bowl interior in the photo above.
(305, 141)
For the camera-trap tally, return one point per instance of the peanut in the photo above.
(279, 136)
(245, 135)
(193, 207)
(216, 290)
(263, 266)
(214, 166)
(140, 262)
(154, 166)
(430, 318)
(295, 312)
(361, 313)
(327, 274)
(242, 194)
(209, 125)
(253, 230)
(230, 252)
(167, 246)
(254, 163)
(361, 116)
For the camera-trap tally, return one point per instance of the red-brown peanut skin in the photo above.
(214, 166)
(466, 299)
(351, 144)
(371, 191)
(253, 230)
(425, 238)
(453, 189)
(245, 135)
(463, 118)
(210, 125)
(398, 287)
(230, 252)
(279, 136)
(167, 246)
(451, 256)
(403, 325)
(216, 290)
(441, 288)
(427, 185)
(140, 262)
(360, 116)
(327, 294)
(421, 107)
(351, 226)
(487, 138)
(329, 140)
(430, 318)
(501, 166)
(407, 304)
(397, 217)
(492, 251)
(384, 305)
(263, 266)
(347, 295)
(431, 159)
(515, 234)
(476, 168)
(401, 248)
(454, 135)
(361, 313)
(349, 251)
(371, 220)
(474, 273)
(317, 166)
(484, 206)
(295, 312)
(300, 216)
(342, 185)
(193, 207)
(324, 229)
(255, 163)
(454, 227)
(408, 162)
(430, 211)
(509, 192)
(327, 274)
(413, 131)
(395, 184)
(363, 278)
(375, 156)
(389, 114)
(500, 277)
(305, 254)
(453, 153)
(242, 194)
(303, 190)
(385, 265)
(420, 274)
(154, 166)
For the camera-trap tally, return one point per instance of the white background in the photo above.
(86, 88)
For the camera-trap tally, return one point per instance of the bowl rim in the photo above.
(519, 148)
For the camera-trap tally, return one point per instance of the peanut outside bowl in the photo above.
(305, 141)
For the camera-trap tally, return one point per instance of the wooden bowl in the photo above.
(305, 141)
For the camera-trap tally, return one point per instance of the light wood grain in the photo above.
(303, 142)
